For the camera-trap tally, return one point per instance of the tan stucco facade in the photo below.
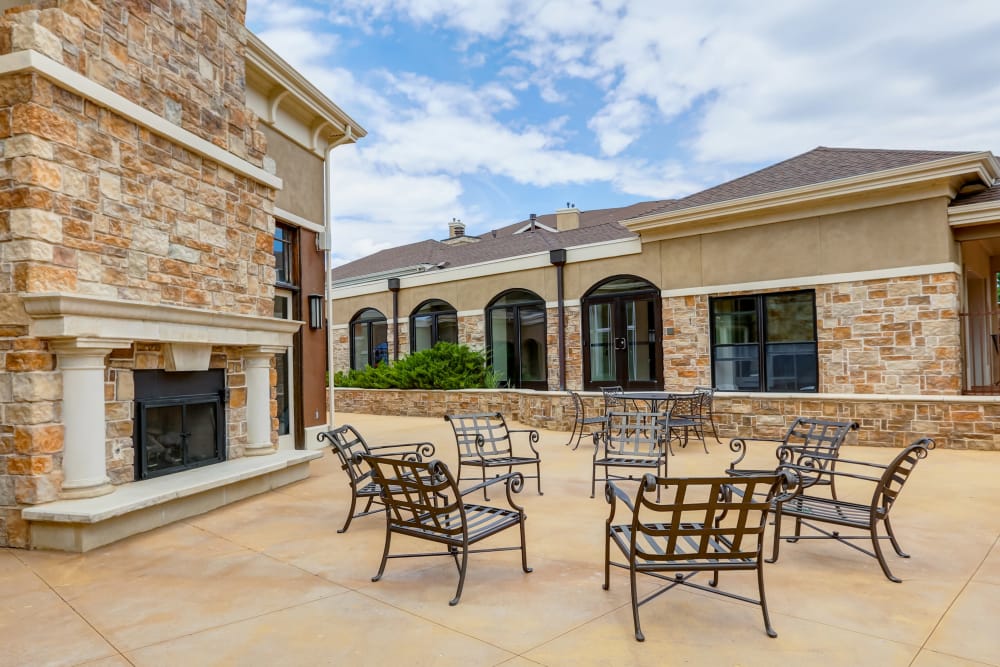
(301, 171)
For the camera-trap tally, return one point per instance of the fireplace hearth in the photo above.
(180, 421)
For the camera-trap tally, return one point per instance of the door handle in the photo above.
(619, 343)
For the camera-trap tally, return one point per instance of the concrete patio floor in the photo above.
(268, 581)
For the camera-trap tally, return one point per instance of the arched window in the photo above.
(369, 342)
(621, 329)
(433, 321)
(515, 339)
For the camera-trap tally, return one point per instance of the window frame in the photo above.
(537, 302)
(368, 322)
(285, 236)
(435, 322)
(762, 343)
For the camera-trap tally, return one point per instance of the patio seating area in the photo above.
(269, 581)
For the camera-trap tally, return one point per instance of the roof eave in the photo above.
(983, 165)
(264, 59)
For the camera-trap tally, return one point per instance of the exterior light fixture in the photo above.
(315, 311)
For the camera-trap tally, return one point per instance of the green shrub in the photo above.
(444, 366)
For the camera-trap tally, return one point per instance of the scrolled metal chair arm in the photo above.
(533, 437)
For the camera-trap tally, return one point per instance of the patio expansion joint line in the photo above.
(118, 651)
(923, 645)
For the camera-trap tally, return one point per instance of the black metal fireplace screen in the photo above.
(180, 421)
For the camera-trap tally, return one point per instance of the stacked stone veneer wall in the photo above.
(886, 421)
(472, 331)
(94, 204)
(887, 336)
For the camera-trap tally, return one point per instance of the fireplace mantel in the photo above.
(58, 315)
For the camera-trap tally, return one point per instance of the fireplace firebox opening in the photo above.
(180, 421)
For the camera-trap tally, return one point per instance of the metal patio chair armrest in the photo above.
(742, 445)
(513, 483)
(420, 450)
(480, 446)
(533, 437)
(614, 493)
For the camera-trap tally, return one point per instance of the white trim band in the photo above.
(58, 315)
(297, 220)
(64, 77)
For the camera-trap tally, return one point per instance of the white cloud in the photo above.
(375, 207)
(677, 95)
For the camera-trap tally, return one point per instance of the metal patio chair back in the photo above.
(708, 410)
(629, 445)
(613, 399)
(807, 438)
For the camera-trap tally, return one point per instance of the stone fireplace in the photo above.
(137, 240)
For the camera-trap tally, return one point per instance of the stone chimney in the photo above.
(568, 218)
(456, 228)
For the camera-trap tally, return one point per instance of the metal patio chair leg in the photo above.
(763, 603)
(524, 551)
(635, 605)
(881, 557)
(892, 538)
(461, 576)
(385, 554)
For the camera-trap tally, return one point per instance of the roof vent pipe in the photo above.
(534, 221)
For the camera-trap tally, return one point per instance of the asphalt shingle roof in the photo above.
(819, 165)
(595, 227)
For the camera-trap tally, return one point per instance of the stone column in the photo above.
(84, 441)
(257, 364)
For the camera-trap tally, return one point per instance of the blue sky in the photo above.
(489, 110)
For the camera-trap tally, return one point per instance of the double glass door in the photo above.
(623, 341)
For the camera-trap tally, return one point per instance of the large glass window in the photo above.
(516, 339)
(765, 342)
(432, 322)
(622, 328)
(369, 339)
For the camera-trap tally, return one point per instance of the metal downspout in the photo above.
(328, 247)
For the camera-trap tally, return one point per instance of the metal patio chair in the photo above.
(708, 411)
(884, 481)
(423, 501)
(346, 442)
(710, 524)
(630, 444)
(484, 441)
